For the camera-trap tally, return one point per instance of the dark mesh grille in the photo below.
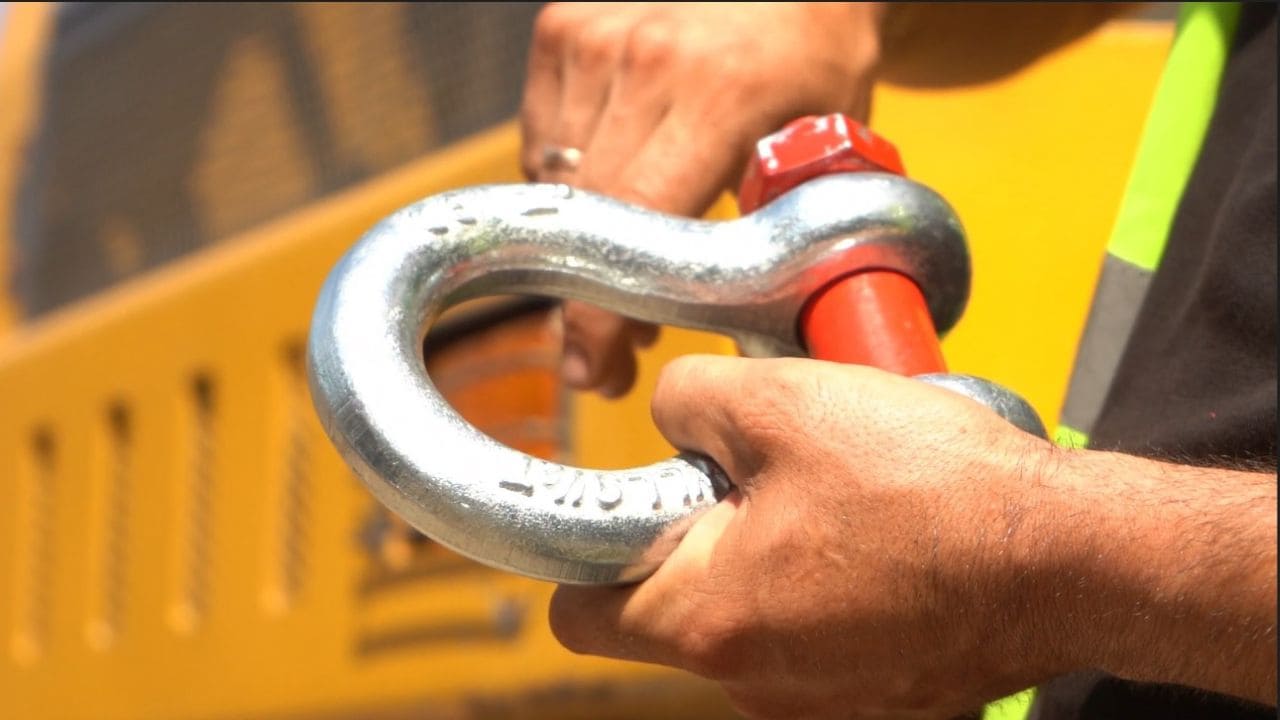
(167, 127)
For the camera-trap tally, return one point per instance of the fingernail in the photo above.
(573, 366)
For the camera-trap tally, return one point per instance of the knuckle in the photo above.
(554, 25)
(596, 43)
(775, 393)
(649, 46)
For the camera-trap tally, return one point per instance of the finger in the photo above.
(644, 334)
(597, 349)
(652, 621)
(587, 620)
(697, 405)
(618, 371)
(589, 65)
(600, 348)
(686, 162)
(639, 98)
(541, 98)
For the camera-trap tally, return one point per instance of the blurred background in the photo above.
(177, 537)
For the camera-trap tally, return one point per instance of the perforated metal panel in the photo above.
(167, 127)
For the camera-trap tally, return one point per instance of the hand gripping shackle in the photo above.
(747, 278)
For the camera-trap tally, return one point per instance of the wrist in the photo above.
(1150, 571)
(1065, 563)
(1075, 564)
(1040, 559)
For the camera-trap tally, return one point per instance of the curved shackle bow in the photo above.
(747, 278)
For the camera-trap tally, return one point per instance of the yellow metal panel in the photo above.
(138, 554)
(1034, 164)
(26, 30)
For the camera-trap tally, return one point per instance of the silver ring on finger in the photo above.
(557, 158)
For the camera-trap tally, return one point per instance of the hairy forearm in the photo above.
(1160, 572)
(940, 44)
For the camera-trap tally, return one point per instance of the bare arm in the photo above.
(1173, 570)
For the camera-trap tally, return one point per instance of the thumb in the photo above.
(707, 404)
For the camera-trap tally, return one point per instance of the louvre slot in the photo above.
(34, 572)
(196, 517)
(105, 624)
(287, 543)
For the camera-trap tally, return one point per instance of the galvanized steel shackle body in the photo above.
(747, 278)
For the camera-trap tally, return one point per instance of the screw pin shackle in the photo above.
(749, 278)
(875, 317)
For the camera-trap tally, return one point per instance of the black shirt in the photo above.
(1197, 383)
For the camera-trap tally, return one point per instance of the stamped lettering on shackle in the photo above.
(652, 488)
(696, 488)
(567, 488)
(604, 489)
(607, 491)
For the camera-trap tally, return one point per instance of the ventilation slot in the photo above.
(34, 571)
(113, 509)
(287, 561)
(196, 516)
